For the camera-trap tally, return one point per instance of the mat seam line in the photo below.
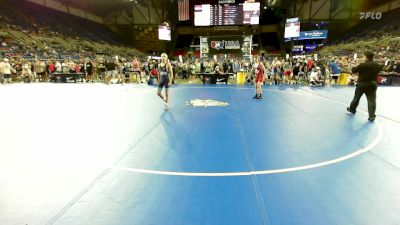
(256, 186)
(74, 200)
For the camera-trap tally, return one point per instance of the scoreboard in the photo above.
(227, 14)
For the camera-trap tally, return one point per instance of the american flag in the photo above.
(183, 9)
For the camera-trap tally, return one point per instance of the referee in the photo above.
(367, 74)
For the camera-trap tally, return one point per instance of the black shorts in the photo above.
(335, 77)
(163, 82)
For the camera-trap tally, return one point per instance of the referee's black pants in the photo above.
(369, 89)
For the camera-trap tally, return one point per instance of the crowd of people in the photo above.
(117, 69)
(37, 46)
(27, 57)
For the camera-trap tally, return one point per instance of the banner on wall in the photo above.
(309, 35)
(311, 47)
(226, 44)
(298, 48)
(313, 34)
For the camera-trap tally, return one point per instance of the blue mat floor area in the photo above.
(94, 154)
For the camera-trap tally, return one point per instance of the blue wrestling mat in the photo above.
(100, 155)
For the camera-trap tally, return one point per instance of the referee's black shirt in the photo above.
(367, 71)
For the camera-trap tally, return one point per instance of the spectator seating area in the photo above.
(381, 36)
(28, 30)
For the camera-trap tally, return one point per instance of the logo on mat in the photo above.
(217, 45)
(206, 103)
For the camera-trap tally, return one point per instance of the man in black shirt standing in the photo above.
(367, 74)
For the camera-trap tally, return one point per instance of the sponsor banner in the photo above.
(311, 47)
(226, 28)
(292, 20)
(298, 48)
(226, 2)
(226, 44)
(313, 34)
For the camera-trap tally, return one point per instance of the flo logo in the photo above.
(370, 15)
(217, 45)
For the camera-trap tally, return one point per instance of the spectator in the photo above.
(1, 71)
(58, 67)
(6, 70)
(315, 76)
(335, 70)
(136, 69)
(153, 76)
(217, 70)
(26, 72)
(51, 67)
(185, 66)
(89, 69)
(112, 71)
(40, 69)
(397, 67)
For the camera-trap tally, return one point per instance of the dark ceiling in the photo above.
(104, 7)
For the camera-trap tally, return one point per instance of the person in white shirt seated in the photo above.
(315, 77)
